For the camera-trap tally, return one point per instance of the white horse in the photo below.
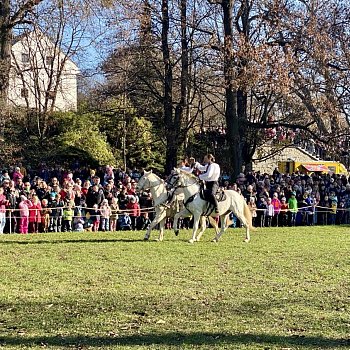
(196, 206)
(157, 187)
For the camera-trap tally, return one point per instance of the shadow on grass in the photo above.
(71, 240)
(176, 339)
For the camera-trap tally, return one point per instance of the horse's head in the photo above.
(144, 183)
(181, 178)
(173, 180)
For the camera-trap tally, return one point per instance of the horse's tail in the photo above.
(248, 216)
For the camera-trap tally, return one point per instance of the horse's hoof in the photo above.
(146, 238)
(246, 240)
(215, 240)
(191, 241)
(176, 232)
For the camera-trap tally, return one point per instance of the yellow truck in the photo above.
(317, 166)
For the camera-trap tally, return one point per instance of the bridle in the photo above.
(150, 184)
(178, 177)
(169, 180)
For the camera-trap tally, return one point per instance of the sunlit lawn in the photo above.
(286, 289)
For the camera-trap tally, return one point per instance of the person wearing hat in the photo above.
(210, 174)
(293, 208)
(134, 211)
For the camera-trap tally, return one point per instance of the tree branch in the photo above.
(22, 11)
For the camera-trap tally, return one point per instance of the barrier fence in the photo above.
(83, 211)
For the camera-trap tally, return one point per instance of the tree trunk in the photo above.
(181, 106)
(231, 115)
(5, 51)
(171, 152)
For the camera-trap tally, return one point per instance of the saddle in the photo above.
(220, 194)
(203, 193)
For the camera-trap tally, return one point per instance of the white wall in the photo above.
(36, 75)
(268, 166)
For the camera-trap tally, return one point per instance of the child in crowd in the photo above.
(133, 208)
(269, 212)
(252, 207)
(293, 208)
(124, 222)
(105, 212)
(262, 206)
(334, 207)
(114, 214)
(68, 214)
(95, 218)
(45, 215)
(276, 209)
(24, 206)
(34, 215)
(79, 227)
(143, 222)
(284, 212)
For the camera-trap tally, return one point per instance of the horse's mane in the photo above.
(190, 175)
(151, 174)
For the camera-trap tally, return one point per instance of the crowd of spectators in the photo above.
(54, 199)
(295, 199)
(83, 199)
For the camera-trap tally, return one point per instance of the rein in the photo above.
(151, 185)
(196, 182)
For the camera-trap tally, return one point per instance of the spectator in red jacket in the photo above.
(34, 215)
(133, 208)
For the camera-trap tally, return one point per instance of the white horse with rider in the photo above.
(164, 205)
(198, 207)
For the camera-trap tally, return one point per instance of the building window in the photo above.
(25, 58)
(49, 60)
(24, 93)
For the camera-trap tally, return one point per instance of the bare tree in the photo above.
(11, 15)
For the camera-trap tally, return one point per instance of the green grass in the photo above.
(286, 289)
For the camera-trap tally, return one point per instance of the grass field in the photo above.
(287, 289)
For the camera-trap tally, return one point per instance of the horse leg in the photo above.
(214, 224)
(244, 222)
(161, 230)
(159, 216)
(203, 223)
(196, 219)
(183, 213)
(223, 228)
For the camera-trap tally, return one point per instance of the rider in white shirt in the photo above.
(210, 174)
(188, 165)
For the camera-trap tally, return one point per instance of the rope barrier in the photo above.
(151, 210)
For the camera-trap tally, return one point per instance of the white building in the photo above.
(42, 77)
